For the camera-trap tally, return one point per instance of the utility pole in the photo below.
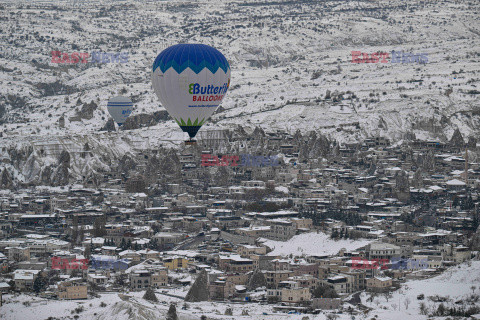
(466, 167)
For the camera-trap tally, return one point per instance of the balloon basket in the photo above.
(190, 142)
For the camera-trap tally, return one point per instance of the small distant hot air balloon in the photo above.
(191, 81)
(120, 108)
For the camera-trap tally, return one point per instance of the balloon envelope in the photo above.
(120, 108)
(190, 81)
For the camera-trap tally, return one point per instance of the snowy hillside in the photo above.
(315, 244)
(454, 284)
(285, 57)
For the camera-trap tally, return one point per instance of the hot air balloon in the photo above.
(190, 81)
(120, 108)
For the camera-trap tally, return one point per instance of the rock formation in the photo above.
(109, 126)
(199, 290)
(145, 120)
(256, 280)
(6, 181)
(87, 110)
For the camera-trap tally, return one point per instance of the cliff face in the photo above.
(145, 120)
(312, 146)
(155, 155)
(59, 162)
(61, 175)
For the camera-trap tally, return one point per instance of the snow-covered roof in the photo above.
(383, 278)
(123, 253)
(455, 182)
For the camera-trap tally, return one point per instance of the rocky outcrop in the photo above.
(32, 168)
(3, 111)
(46, 176)
(170, 164)
(257, 280)
(52, 163)
(18, 156)
(86, 150)
(297, 136)
(401, 181)
(476, 240)
(328, 95)
(457, 139)
(417, 180)
(425, 161)
(199, 290)
(126, 164)
(239, 134)
(61, 174)
(6, 181)
(402, 186)
(314, 147)
(145, 120)
(61, 122)
(109, 126)
(150, 295)
(220, 176)
(87, 110)
(372, 169)
(257, 133)
(472, 142)
(151, 170)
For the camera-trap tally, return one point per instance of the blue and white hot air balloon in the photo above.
(191, 81)
(120, 108)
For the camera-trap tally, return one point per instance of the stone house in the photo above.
(379, 284)
(71, 290)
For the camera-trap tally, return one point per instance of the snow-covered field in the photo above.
(284, 59)
(26, 307)
(313, 244)
(455, 283)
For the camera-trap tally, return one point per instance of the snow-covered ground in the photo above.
(284, 59)
(455, 284)
(26, 307)
(313, 244)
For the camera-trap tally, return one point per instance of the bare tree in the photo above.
(423, 309)
(387, 296)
